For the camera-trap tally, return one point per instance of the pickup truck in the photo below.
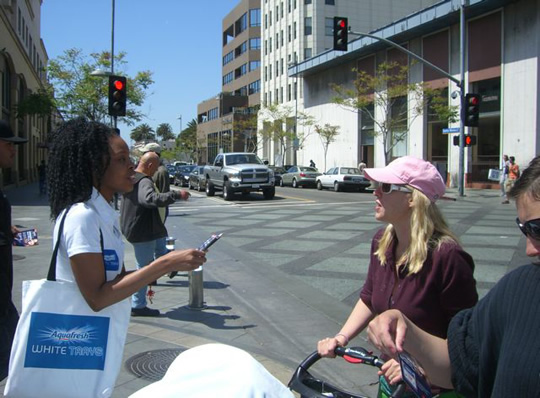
(239, 172)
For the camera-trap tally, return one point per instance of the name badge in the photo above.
(112, 263)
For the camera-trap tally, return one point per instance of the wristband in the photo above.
(345, 337)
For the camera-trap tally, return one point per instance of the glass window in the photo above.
(254, 87)
(281, 42)
(255, 43)
(330, 2)
(254, 65)
(255, 17)
(228, 58)
(241, 24)
(277, 40)
(289, 33)
(307, 26)
(329, 26)
(307, 1)
(266, 21)
(307, 53)
(228, 78)
(294, 30)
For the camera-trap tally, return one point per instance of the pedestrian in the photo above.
(416, 264)
(513, 175)
(361, 166)
(142, 225)
(42, 174)
(8, 313)
(504, 173)
(491, 349)
(311, 163)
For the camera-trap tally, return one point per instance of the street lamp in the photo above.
(180, 118)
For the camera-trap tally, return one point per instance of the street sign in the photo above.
(450, 130)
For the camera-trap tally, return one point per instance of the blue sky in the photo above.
(157, 35)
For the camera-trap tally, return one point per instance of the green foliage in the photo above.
(143, 132)
(41, 104)
(187, 140)
(327, 134)
(164, 132)
(279, 126)
(396, 102)
(78, 93)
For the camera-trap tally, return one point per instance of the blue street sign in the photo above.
(450, 130)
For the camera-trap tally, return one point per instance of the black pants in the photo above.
(8, 324)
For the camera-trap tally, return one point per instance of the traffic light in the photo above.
(470, 140)
(471, 111)
(341, 33)
(117, 96)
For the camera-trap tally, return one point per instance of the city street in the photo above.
(285, 274)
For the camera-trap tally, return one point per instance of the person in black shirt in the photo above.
(8, 313)
(492, 349)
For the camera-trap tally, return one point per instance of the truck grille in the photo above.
(254, 176)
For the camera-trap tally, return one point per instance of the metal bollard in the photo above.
(196, 290)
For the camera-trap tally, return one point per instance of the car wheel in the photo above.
(269, 193)
(319, 185)
(337, 187)
(294, 183)
(281, 183)
(210, 190)
(227, 191)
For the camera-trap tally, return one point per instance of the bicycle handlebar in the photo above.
(307, 385)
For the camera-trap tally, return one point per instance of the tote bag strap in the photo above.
(51, 276)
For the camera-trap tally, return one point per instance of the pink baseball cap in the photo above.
(412, 171)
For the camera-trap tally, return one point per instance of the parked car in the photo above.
(278, 171)
(340, 178)
(197, 179)
(181, 177)
(300, 176)
(172, 171)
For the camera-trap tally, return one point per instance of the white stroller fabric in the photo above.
(215, 370)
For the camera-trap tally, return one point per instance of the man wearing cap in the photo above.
(8, 313)
(416, 263)
(141, 222)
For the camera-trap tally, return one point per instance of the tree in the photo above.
(41, 103)
(327, 134)
(78, 93)
(143, 132)
(246, 125)
(391, 102)
(164, 131)
(279, 126)
(187, 139)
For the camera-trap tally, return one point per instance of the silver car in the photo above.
(300, 176)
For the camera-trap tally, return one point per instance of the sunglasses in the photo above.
(388, 188)
(530, 228)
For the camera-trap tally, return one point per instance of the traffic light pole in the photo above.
(461, 170)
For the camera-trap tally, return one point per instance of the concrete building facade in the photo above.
(23, 59)
(295, 31)
(219, 127)
(501, 64)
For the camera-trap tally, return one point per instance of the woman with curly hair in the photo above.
(89, 163)
(416, 265)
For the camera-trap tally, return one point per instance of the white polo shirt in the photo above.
(81, 235)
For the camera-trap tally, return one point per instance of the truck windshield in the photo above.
(242, 159)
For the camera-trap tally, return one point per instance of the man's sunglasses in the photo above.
(388, 188)
(530, 228)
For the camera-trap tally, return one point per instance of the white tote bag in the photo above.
(62, 348)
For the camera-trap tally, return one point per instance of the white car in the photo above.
(340, 178)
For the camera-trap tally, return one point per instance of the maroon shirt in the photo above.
(430, 298)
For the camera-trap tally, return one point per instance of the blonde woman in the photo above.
(416, 265)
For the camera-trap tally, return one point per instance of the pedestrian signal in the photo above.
(470, 140)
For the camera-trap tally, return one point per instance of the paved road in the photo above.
(285, 274)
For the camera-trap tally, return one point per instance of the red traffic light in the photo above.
(468, 140)
(118, 84)
(342, 23)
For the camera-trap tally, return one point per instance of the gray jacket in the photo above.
(139, 215)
